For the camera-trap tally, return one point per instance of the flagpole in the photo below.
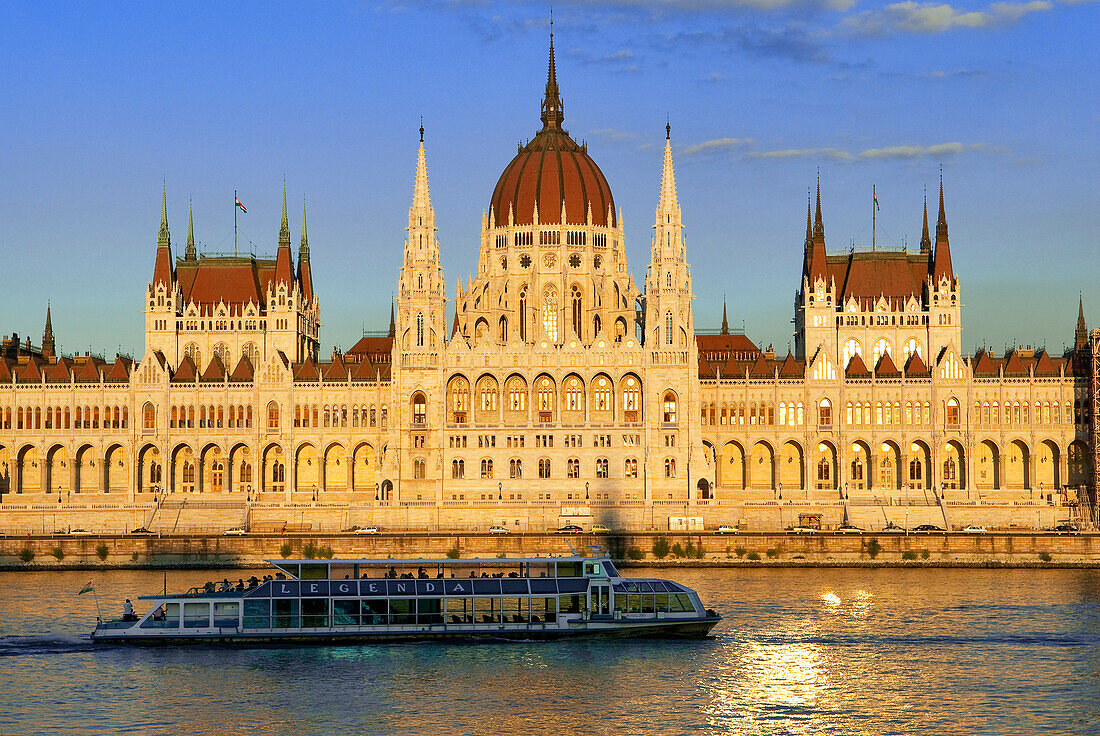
(874, 206)
(234, 222)
(99, 613)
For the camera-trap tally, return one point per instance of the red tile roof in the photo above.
(234, 280)
(856, 367)
(5, 371)
(243, 373)
(915, 366)
(724, 345)
(1044, 366)
(215, 371)
(363, 370)
(886, 366)
(29, 372)
(866, 276)
(88, 370)
(761, 368)
(336, 370)
(792, 368)
(1014, 366)
(120, 370)
(185, 371)
(59, 372)
(376, 349)
(983, 365)
(732, 369)
(306, 371)
(706, 370)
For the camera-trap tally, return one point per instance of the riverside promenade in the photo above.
(825, 549)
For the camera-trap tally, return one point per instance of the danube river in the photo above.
(801, 651)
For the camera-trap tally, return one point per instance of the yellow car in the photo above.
(600, 529)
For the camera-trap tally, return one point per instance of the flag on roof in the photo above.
(238, 202)
(87, 588)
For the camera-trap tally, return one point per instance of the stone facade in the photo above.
(560, 386)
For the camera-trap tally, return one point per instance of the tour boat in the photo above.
(371, 600)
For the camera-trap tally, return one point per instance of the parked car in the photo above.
(974, 529)
(79, 533)
(726, 529)
(600, 529)
(849, 529)
(928, 528)
(141, 530)
(497, 529)
(366, 530)
(802, 530)
(570, 529)
(236, 531)
(1067, 529)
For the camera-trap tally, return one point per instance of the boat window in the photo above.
(681, 603)
(576, 585)
(257, 613)
(544, 585)
(429, 610)
(610, 569)
(314, 612)
(196, 615)
(345, 613)
(647, 604)
(634, 603)
(170, 619)
(487, 586)
(226, 615)
(402, 611)
(285, 613)
(513, 586)
(314, 572)
(591, 569)
(661, 601)
(342, 572)
(487, 610)
(514, 610)
(374, 611)
(290, 568)
(460, 610)
(569, 569)
(544, 609)
(570, 603)
(540, 569)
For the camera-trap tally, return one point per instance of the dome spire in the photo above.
(552, 112)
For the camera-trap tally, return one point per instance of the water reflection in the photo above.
(799, 651)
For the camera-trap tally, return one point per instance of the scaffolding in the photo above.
(1094, 424)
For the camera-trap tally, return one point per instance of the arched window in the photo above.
(487, 469)
(668, 327)
(458, 469)
(602, 395)
(601, 467)
(670, 467)
(574, 395)
(950, 473)
(668, 280)
(545, 395)
(952, 413)
(252, 353)
(419, 409)
(630, 467)
(912, 347)
(576, 303)
(515, 468)
(192, 352)
(504, 329)
(550, 313)
(149, 416)
(418, 469)
(670, 408)
(825, 413)
(544, 467)
(272, 416)
(420, 329)
(631, 397)
(824, 472)
(523, 315)
(915, 470)
(573, 468)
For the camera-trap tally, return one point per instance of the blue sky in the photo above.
(104, 102)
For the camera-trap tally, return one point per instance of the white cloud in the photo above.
(716, 144)
(886, 153)
(833, 154)
(930, 18)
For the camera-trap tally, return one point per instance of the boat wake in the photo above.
(17, 646)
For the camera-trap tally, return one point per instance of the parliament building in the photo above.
(561, 387)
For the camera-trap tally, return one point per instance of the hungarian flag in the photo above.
(874, 195)
(238, 201)
(87, 588)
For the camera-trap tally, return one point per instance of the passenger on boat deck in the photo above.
(473, 574)
(421, 573)
(128, 611)
(226, 585)
(240, 584)
(280, 576)
(208, 588)
(253, 581)
(392, 573)
(440, 575)
(159, 614)
(484, 574)
(513, 575)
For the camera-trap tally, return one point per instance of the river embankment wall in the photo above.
(997, 549)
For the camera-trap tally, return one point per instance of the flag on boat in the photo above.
(87, 588)
(238, 203)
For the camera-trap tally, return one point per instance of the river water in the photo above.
(806, 651)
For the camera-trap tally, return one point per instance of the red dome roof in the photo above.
(550, 170)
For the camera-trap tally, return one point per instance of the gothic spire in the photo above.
(190, 252)
(284, 226)
(941, 224)
(552, 112)
(809, 221)
(303, 249)
(393, 323)
(162, 267)
(925, 240)
(422, 196)
(725, 322)
(668, 205)
(164, 239)
(819, 226)
(942, 258)
(47, 335)
(1081, 337)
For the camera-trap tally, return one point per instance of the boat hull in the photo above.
(659, 629)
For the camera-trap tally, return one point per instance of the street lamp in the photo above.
(500, 491)
(845, 490)
(780, 491)
(248, 493)
(376, 492)
(59, 493)
(314, 493)
(586, 490)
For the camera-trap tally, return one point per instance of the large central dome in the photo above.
(550, 170)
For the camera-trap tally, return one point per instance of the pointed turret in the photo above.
(1080, 339)
(942, 264)
(925, 240)
(817, 266)
(162, 268)
(552, 110)
(305, 274)
(190, 253)
(668, 205)
(47, 335)
(393, 324)
(284, 269)
(725, 322)
(668, 281)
